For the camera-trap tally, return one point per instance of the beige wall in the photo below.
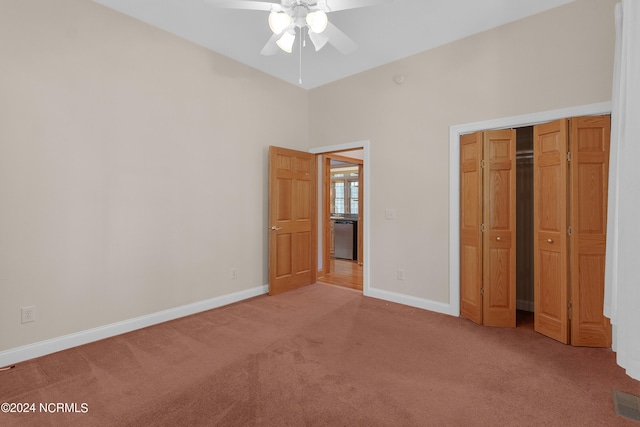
(133, 168)
(560, 58)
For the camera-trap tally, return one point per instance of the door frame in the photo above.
(454, 175)
(365, 145)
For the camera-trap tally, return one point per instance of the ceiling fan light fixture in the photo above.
(317, 21)
(318, 40)
(279, 21)
(286, 41)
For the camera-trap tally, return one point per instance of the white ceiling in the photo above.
(384, 33)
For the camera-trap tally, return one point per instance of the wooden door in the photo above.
(292, 219)
(499, 238)
(470, 226)
(589, 171)
(550, 229)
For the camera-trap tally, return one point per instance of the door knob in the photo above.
(549, 241)
(274, 228)
(498, 238)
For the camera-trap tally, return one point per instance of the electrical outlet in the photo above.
(400, 274)
(390, 214)
(28, 314)
(234, 274)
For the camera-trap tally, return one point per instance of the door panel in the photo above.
(283, 248)
(589, 168)
(499, 269)
(470, 221)
(550, 229)
(283, 199)
(292, 219)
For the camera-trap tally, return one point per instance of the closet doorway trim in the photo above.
(454, 175)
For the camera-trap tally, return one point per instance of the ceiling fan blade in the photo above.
(245, 4)
(340, 40)
(271, 48)
(337, 5)
(318, 40)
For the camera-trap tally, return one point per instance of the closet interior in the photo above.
(524, 219)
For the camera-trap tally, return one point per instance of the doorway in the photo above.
(349, 267)
(455, 133)
(567, 188)
(342, 185)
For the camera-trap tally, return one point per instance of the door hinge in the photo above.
(568, 156)
(482, 228)
(569, 307)
(482, 164)
(482, 291)
(569, 230)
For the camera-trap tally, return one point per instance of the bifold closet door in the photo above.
(569, 214)
(589, 171)
(499, 237)
(470, 226)
(487, 198)
(550, 229)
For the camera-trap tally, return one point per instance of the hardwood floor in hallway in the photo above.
(347, 274)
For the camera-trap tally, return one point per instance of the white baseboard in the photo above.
(438, 307)
(20, 354)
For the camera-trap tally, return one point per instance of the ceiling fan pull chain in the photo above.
(302, 36)
(300, 69)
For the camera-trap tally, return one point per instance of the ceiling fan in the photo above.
(287, 15)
